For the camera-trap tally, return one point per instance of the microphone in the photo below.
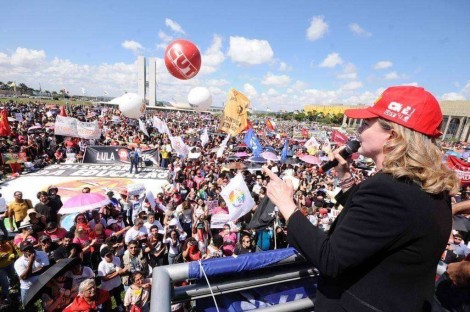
(351, 147)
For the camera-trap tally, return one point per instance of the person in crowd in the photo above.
(96, 219)
(3, 215)
(90, 298)
(55, 232)
(57, 294)
(29, 266)
(37, 221)
(135, 259)
(155, 248)
(201, 231)
(246, 245)
(46, 207)
(185, 214)
(55, 201)
(134, 160)
(78, 273)
(83, 240)
(138, 294)
(230, 240)
(214, 250)
(26, 234)
(458, 246)
(97, 235)
(125, 204)
(18, 209)
(110, 271)
(80, 219)
(48, 247)
(151, 221)
(137, 232)
(8, 254)
(191, 250)
(174, 243)
(67, 248)
(398, 220)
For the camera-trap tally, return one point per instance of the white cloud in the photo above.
(249, 91)
(317, 29)
(331, 60)
(349, 72)
(284, 67)
(174, 26)
(352, 85)
(275, 80)
(452, 96)
(358, 30)
(365, 98)
(249, 51)
(164, 36)
(466, 90)
(392, 76)
(132, 45)
(213, 56)
(412, 84)
(383, 65)
(218, 82)
(23, 57)
(272, 92)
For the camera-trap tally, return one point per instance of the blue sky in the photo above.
(302, 52)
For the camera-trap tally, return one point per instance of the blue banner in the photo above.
(252, 142)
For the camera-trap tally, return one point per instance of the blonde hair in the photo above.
(414, 155)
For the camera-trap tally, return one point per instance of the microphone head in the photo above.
(352, 146)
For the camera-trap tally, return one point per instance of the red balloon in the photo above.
(183, 59)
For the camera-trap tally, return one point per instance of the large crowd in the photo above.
(116, 246)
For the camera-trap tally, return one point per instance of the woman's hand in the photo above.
(343, 165)
(281, 193)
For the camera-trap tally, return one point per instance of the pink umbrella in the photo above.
(84, 202)
(241, 154)
(269, 156)
(309, 159)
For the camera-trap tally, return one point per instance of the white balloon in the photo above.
(131, 105)
(200, 98)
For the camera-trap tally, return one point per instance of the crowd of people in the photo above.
(117, 246)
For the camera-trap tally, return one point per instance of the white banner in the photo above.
(179, 146)
(218, 220)
(238, 198)
(88, 130)
(68, 126)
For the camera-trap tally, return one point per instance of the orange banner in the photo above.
(235, 117)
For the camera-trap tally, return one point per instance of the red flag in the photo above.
(5, 129)
(62, 112)
(461, 168)
(339, 137)
(248, 125)
(269, 124)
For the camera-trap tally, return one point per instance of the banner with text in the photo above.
(68, 126)
(117, 154)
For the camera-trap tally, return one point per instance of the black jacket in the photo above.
(382, 251)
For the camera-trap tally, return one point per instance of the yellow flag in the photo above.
(235, 117)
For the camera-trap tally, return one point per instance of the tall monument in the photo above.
(152, 95)
(143, 81)
(141, 77)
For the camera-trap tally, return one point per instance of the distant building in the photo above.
(456, 123)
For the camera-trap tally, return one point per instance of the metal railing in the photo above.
(164, 294)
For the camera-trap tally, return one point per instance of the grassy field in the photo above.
(56, 102)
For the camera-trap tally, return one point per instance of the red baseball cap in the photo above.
(411, 107)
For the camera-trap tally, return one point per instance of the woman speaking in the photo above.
(382, 251)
